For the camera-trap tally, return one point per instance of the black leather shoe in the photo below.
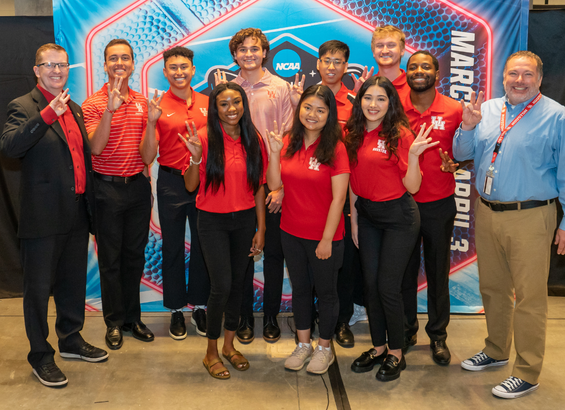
(139, 331)
(87, 352)
(440, 352)
(409, 341)
(177, 330)
(391, 368)
(271, 330)
(50, 375)
(344, 335)
(114, 338)
(244, 331)
(368, 360)
(198, 319)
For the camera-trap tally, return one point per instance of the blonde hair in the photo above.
(385, 31)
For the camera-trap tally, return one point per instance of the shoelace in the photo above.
(479, 357)
(299, 351)
(50, 367)
(511, 383)
(322, 355)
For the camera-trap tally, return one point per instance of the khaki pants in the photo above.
(513, 250)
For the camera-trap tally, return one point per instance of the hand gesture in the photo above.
(472, 111)
(359, 81)
(220, 77)
(422, 142)
(192, 142)
(115, 98)
(59, 103)
(275, 138)
(154, 107)
(295, 90)
(447, 164)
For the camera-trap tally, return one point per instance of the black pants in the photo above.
(57, 261)
(226, 241)
(123, 215)
(436, 229)
(175, 204)
(387, 234)
(273, 269)
(301, 253)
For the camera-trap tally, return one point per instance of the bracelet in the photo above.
(195, 163)
(110, 111)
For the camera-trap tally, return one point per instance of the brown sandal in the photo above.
(216, 373)
(236, 362)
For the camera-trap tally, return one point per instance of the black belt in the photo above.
(78, 197)
(514, 206)
(122, 180)
(170, 170)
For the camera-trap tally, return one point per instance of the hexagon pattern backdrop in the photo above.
(470, 38)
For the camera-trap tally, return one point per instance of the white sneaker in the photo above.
(321, 360)
(297, 359)
(359, 314)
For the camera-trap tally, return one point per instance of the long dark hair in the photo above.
(250, 141)
(394, 120)
(330, 134)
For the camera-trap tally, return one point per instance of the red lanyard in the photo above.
(503, 130)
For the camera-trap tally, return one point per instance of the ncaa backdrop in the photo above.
(470, 38)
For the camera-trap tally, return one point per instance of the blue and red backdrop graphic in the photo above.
(470, 38)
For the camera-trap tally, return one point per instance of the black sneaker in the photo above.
(198, 319)
(50, 375)
(177, 330)
(86, 352)
(513, 387)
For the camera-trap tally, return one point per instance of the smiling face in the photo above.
(179, 72)
(421, 74)
(388, 51)
(230, 107)
(249, 54)
(374, 104)
(119, 62)
(52, 80)
(313, 114)
(521, 80)
(332, 67)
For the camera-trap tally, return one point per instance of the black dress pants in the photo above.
(123, 215)
(175, 205)
(60, 262)
(387, 234)
(436, 229)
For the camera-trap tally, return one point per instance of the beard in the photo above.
(421, 87)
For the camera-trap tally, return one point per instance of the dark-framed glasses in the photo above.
(51, 66)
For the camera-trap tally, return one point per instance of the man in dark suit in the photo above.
(46, 130)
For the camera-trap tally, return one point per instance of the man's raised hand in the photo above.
(59, 103)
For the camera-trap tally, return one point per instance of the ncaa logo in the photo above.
(286, 63)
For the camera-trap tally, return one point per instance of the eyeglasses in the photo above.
(51, 66)
(328, 62)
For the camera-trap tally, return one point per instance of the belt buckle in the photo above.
(127, 180)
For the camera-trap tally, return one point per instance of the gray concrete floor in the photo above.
(168, 374)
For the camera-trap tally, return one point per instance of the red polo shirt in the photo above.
(343, 100)
(172, 151)
(375, 176)
(401, 85)
(73, 136)
(235, 194)
(308, 191)
(121, 155)
(446, 114)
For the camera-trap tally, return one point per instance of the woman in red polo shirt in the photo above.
(385, 221)
(312, 163)
(228, 162)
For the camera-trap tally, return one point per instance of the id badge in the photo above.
(488, 185)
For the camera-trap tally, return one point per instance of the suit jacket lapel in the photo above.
(41, 104)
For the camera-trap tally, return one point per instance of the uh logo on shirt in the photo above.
(314, 164)
(381, 147)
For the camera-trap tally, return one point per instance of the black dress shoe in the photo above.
(409, 341)
(50, 375)
(368, 360)
(87, 352)
(244, 331)
(391, 368)
(177, 330)
(440, 352)
(271, 330)
(139, 331)
(114, 338)
(344, 335)
(198, 319)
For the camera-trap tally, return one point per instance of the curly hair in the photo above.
(330, 134)
(244, 33)
(394, 120)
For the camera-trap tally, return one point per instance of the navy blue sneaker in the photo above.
(481, 361)
(513, 388)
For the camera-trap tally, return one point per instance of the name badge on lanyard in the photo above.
(503, 131)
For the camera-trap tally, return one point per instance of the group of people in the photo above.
(324, 178)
